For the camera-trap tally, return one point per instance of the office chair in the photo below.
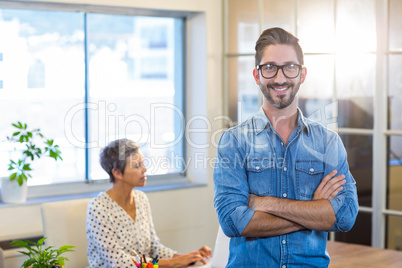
(64, 223)
(1, 258)
(221, 250)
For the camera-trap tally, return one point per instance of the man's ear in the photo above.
(303, 75)
(256, 76)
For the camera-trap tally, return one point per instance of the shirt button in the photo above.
(311, 169)
(257, 168)
(284, 242)
(285, 168)
(284, 195)
(282, 143)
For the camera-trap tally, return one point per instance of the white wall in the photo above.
(184, 218)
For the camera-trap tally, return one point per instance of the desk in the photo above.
(344, 255)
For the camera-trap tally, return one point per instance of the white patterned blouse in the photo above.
(112, 233)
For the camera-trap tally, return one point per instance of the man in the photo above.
(281, 181)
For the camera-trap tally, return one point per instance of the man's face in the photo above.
(279, 90)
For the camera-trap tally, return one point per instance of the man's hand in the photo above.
(316, 214)
(330, 186)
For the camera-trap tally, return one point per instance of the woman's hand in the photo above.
(180, 260)
(205, 252)
(185, 260)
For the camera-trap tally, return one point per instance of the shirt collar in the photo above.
(261, 121)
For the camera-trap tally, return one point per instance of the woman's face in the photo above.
(134, 174)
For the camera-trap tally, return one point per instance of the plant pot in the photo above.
(11, 192)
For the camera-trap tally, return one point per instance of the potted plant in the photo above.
(40, 256)
(32, 145)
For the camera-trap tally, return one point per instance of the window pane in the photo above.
(243, 26)
(355, 81)
(395, 25)
(132, 75)
(279, 13)
(394, 232)
(395, 90)
(43, 84)
(316, 95)
(316, 25)
(319, 82)
(359, 149)
(355, 26)
(395, 173)
(360, 233)
(243, 91)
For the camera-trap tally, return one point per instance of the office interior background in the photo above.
(173, 75)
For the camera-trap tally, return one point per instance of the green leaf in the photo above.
(37, 251)
(16, 133)
(29, 262)
(26, 167)
(50, 142)
(20, 180)
(41, 241)
(19, 244)
(66, 248)
(25, 253)
(13, 176)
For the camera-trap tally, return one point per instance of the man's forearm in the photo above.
(315, 215)
(265, 225)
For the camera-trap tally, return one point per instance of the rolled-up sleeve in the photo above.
(231, 187)
(345, 204)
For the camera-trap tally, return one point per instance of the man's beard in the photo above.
(282, 102)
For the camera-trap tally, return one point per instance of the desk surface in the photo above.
(344, 255)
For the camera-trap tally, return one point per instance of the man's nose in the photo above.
(280, 77)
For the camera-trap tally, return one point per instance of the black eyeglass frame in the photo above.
(280, 67)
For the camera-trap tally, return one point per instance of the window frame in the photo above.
(180, 179)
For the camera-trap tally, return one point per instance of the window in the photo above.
(353, 53)
(87, 78)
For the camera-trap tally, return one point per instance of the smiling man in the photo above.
(281, 181)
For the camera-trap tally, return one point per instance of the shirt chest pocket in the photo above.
(260, 175)
(308, 176)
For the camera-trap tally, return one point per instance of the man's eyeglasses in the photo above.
(269, 70)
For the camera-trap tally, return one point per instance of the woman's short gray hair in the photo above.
(114, 155)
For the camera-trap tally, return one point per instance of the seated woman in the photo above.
(119, 220)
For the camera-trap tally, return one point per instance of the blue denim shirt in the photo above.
(252, 158)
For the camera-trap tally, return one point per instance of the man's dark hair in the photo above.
(277, 36)
(114, 156)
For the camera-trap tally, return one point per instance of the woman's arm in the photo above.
(168, 257)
